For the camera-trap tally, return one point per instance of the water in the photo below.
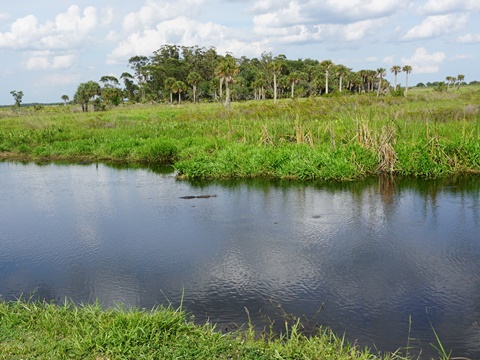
(364, 258)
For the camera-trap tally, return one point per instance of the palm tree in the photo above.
(326, 65)
(454, 80)
(65, 98)
(364, 76)
(407, 69)
(85, 92)
(395, 70)
(293, 78)
(341, 71)
(193, 79)
(460, 78)
(169, 85)
(227, 69)
(179, 87)
(276, 67)
(259, 83)
(381, 72)
(449, 81)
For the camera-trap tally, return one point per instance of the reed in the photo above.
(344, 137)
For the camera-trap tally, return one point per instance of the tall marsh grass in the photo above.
(343, 137)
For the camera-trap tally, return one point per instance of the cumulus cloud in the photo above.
(318, 33)
(361, 9)
(154, 11)
(469, 39)
(437, 25)
(449, 6)
(422, 62)
(107, 16)
(69, 29)
(185, 31)
(46, 60)
(328, 11)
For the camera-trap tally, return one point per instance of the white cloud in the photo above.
(290, 15)
(68, 30)
(469, 39)
(46, 60)
(63, 61)
(107, 17)
(187, 32)
(328, 11)
(38, 62)
(461, 57)
(389, 60)
(319, 33)
(159, 10)
(263, 6)
(436, 26)
(423, 63)
(448, 6)
(364, 9)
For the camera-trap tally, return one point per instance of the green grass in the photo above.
(39, 330)
(426, 134)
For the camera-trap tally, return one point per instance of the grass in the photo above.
(426, 134)
(39, 330)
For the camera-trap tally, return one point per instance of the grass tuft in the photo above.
(40, 330)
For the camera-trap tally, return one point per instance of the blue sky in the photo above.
(47, 48)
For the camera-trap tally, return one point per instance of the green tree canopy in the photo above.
(17, 96)
(85, 92)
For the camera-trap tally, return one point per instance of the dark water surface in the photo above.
(375, 253)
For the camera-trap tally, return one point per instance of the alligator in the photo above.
(197, 196)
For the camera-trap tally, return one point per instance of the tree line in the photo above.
(181, 73)
(177, 73)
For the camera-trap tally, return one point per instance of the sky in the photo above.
(47, 48)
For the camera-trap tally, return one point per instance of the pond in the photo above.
(383, 261)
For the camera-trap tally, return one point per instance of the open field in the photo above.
(427, 134)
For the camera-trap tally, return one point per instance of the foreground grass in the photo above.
(36, 330)
(425, 135)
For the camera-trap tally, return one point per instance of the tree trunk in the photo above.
(227, 93)
(326, 82)
(221, 87)
(293, 89)
(274, 87)
(194, 94)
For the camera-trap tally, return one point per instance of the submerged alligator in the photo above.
(197, 196)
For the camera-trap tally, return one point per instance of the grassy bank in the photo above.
(35, 330)
(427, 134)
